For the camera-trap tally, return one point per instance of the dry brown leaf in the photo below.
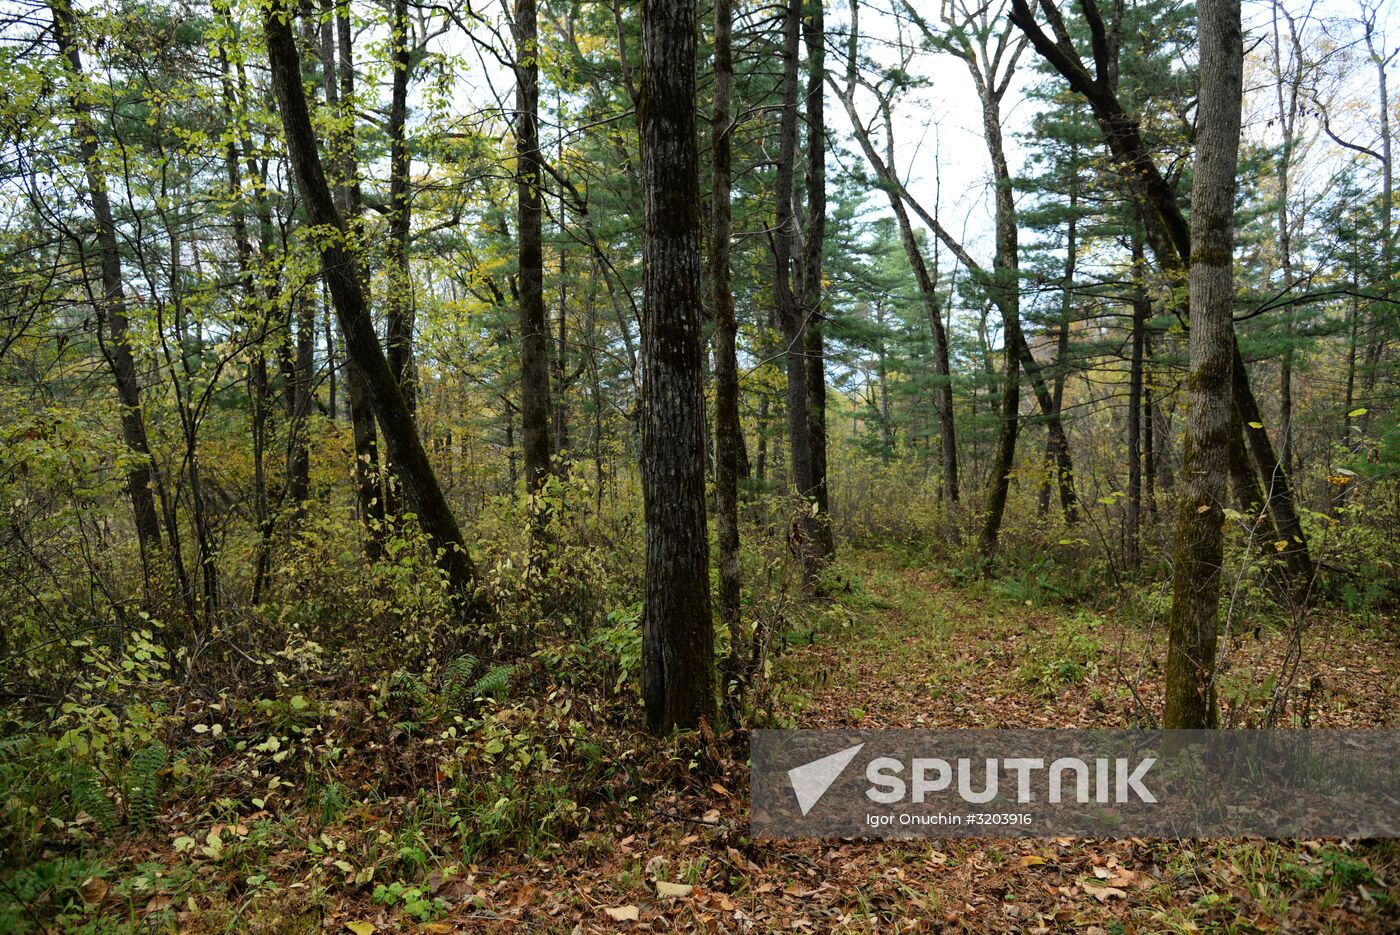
(94, 890)
(622, 913)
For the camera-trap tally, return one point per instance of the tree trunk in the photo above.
(534, 329)
(341, 268)
(1006, 293)
(340, 97)
(1169, 235)
(813, 241)
(111, 308)
(885, 174)
(678, 686)
(1142, 313)
(1057, 457)
(1192, 632)
(727, 428)
(299, 402)
(399, 297)
(790, 311)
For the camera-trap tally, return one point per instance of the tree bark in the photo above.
(399, 297)
(534, 328)
(791, 314)
(1192, 634)
(1006, 293)
(727, 427)
(341, 268)
(813, 241)
(1142, 313)
(678, 686)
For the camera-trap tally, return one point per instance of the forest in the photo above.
(435, 433)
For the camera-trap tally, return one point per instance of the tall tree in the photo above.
(1168, 233)
(534, 327)
(399, 295)
(1192, 632)
(883, 167)
(727, 427)
(341, 267)
(338, 58)
(813, 243)
(111, 310)
(678, 685)
(786, 289)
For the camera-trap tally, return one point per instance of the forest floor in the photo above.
(903, 646)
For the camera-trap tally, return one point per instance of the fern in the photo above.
(456, 687)
(143, 782)
(85, 790)
(493, 684)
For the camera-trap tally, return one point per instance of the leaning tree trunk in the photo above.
(339, 77)
(1169, 234)
(727, 428)
(341, 268)
(1192, 632)
(894, 191)
(678, 686)
(111, 308)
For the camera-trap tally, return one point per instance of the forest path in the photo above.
(906, 646)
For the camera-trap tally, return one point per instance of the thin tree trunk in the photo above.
(1192, 632)
(727, 428)
(1142, 312)
(813, 241)
(299, 393)
(678, 682)
(1056, 445)
(399, 296)
(340, 97)
(1006, 293)
(790, 310)
(111, 308)
(342, 270)
(1377, 328)
(928, 285)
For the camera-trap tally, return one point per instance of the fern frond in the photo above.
(143, 782)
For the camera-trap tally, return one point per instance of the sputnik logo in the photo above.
(811, 780)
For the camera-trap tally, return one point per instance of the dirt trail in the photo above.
(917, 651)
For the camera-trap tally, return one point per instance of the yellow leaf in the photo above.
(1203, 507)
(1280, 545)
(361, 928)
(1256, 425)
(1031, 860)
(1356, 413)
